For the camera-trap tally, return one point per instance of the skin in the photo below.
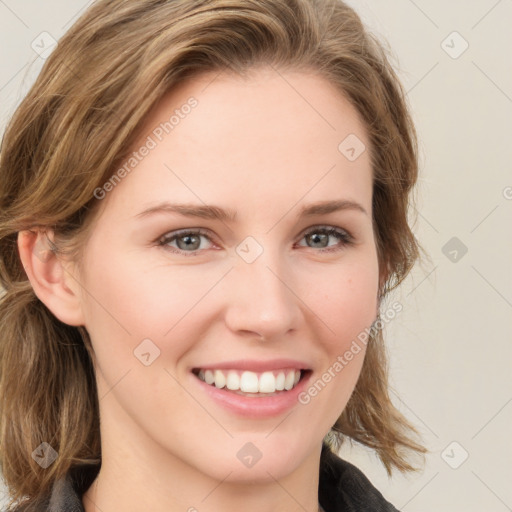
(264, 146)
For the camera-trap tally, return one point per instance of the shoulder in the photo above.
(66, 493)
(344, 487)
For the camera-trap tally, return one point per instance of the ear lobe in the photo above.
(51, 280)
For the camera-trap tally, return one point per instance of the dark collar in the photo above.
(342, 488)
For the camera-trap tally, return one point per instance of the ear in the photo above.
(51, 280)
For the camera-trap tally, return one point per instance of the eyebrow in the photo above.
(218, 213)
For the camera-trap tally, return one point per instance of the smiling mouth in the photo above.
(252, 384)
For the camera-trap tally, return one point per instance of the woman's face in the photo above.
(237, 246)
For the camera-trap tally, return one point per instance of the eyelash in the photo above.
(342, 235)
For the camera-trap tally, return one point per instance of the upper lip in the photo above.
(256, 366)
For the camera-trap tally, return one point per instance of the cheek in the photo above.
(133, 300)
(137, 316)
(345, 298)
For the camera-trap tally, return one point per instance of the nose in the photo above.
(261, 299)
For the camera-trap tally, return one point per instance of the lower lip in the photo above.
(254, 407)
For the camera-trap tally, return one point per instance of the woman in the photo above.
(203, 208)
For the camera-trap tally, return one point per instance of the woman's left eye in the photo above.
(189, 242)
(319, 236)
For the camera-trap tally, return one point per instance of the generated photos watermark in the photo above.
(344, 359)
(151, 142)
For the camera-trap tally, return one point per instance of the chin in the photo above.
(253, 461)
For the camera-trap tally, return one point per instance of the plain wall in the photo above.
(450, 348)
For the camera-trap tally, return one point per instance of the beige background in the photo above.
(450, 348)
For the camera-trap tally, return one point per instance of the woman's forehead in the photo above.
(273, 135)
(266, 96)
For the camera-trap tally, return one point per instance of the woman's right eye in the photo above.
(186, 242)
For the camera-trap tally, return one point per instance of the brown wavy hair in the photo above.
(70, 133)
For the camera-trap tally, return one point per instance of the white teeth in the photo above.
(280, 381)
(251, 382)
(220, 380)
(288, 383)
(267, 383)
(233, 380)
(208, 377)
